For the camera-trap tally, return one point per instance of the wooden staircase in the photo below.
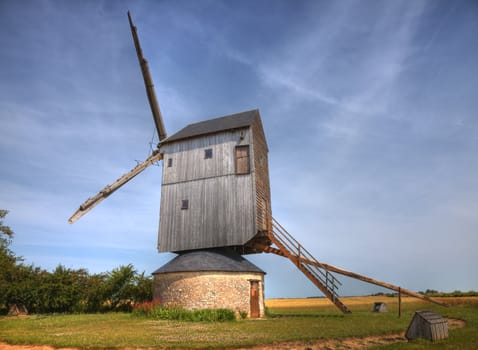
(289, 247)
(319, 273)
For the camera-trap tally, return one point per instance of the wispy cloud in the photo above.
(368, 107)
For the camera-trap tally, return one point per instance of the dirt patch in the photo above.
(352, 343)
(333, 344)
(454, 323)
(5, 346)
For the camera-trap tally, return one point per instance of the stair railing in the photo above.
(302, 256)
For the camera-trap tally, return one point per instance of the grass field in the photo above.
(290, 320)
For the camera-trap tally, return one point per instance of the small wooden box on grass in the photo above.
(428, 325)
(18, 310)
(379, 307)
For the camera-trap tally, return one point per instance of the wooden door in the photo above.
(242, 160)
(255, 313)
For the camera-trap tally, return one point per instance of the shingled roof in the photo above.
(208, 260)
(228, 122)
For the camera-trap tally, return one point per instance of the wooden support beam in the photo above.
(363, 278)
(326, 285)
(399, 302)
(148, 83)
(90, 203)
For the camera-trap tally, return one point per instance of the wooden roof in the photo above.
(209, 260)
(430, 316)
(228, 122)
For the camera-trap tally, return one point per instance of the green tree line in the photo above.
(454, 294)
(65, 290)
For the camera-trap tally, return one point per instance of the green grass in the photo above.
(119, 330)
(461, 338)
(158, 312)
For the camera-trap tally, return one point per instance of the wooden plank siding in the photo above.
(218, 215)
(221, 203)
(228, 200)
(188, 161)
(261, 177)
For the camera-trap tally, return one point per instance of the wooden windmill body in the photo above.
(215, 199)
(215, 189)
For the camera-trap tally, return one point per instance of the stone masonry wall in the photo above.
(203, 290)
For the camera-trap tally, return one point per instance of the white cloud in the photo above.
(369, 145)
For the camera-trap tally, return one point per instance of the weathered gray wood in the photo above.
(363, 278)
(261, 177)
(188, 156)
(218, 214)
(379, 307)
(148, 83)
(428, 325)
(90, 203)
(221, 211)
(228, 199)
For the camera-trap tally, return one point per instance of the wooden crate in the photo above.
(428, 325)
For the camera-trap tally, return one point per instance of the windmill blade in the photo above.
(148, 83)
(90, 203)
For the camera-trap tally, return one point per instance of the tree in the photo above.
(8, 262)
(4, 229)
(120, 286)
(64, 289)
(24, 287)
(95, 293)
(144, 288)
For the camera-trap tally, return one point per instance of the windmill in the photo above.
(215, 208)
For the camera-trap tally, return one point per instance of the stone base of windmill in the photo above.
(211, 279)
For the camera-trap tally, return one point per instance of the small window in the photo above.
(185, 204)
(208, 153)
(242, 160)
(170, 162)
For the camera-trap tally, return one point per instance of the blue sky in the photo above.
(369, 109)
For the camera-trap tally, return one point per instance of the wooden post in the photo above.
(148, 83)
(399, 302)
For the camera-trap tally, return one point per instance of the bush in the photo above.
(174, 313)
(213, 315)
(144, 308)
(66, 290)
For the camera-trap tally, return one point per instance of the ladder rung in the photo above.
(313, 270)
